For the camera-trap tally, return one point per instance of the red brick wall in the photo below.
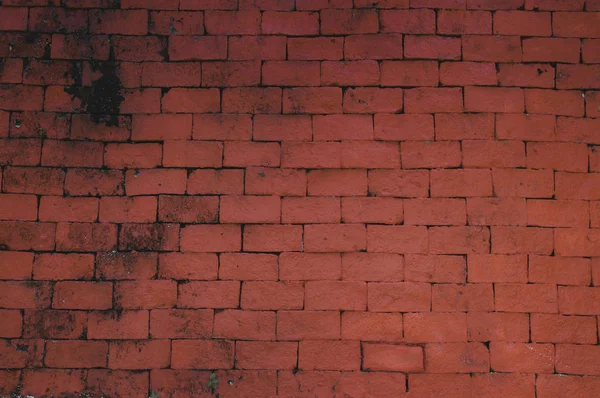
(309, 198)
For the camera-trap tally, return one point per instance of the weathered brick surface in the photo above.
(300, 198)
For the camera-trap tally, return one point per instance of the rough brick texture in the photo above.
(300, 198)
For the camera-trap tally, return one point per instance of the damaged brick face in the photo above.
(299, 198)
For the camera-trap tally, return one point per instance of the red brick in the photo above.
(202, 48)
(494, 326)
(128, 265)
(403, 127)
(192, 100)
(342, 127)
(54, 266)
(267, 4)
(577, 76)
(468, 73)
(551, 50)
(121, 156)
(469, 297)
(322, 4)
(272, 296)
(373, 100)
(373, 210)
(27, 235)
(309, 266)
(54, 208)
(553, 102)
(428, 154)
(207, 5)
(243, 154)
(555, 5)
(21, 98)
(119, 22)
(492, 48)
(290, 23)
(409, 73)
(308, 325)
(311, 155)
(590, 51)
(451, 22)
(310, 210)
(379, 46)
(12, 325)
(523, 183)
(25, 295)
(433, 100)
(435, 327)
(497, 268)
(144, 354)
(107, 382)
(577, 359)
(456, 126)
(456, 358)
(578, 300)
(230, 74)
(319, 238)
(151, 5)
(155, 181)
(18, 207)
(38, 125)
(465, 183)
(256, 48)
(161, 127)
(211, 238)
(329, 355)
(266, 355)
(399, 183)
(499, 385)
(72, 153)
(151, 237)
(526, 298)
(497, 211)
(76, 354)
(290, 73)
(188, 266)
(174, 22)
(418, 21)
(337, 183)
(522, 23)
(188, 209)
(80, 47)
(492, 99)
(42, 73)
(275, 238)
(162, 74)
(282, 128)
(547, 213)
(20, 152)
(186, 324)
(434, 212)
(232, 22)
(312, 100)
(245, 325)
(577, 186)
(314, 48)
(371, 155)
(559, 385)
(15, 18)
(526, 127)
(40, 381)
(554, 328)
(575, 24)
(433, 268)
(432, 47)
(459, 240)
(449, 385)
(514, 240)
(213, 181)
(93, 182)
(494, 4)
(399, 297)
(368, 326)
(83, 295)
(251, 100)
(526, 75)
(213, 294)
(350, 73)
(16, 265)
(336, 295)
(347, 22)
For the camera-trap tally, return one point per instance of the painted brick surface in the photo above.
(300, 198)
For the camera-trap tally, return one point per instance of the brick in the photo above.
(25, 295)
(310, 266)
(15, 18)
(72, 154)
(39, 381)
(350, 73)
(551, 50)
(376, 46)
(107, 382)
(427, 154)
(555, 5)
(557, 385)
(162, 74)
(590, 51)
(151, 237)
(176, 22)
(493, 326)
(215, 181)
(127, 265)
(290, 23)
(254, 48)
(337, 183)
(53, 208)
(577, 76)
(21, 353)
(230, 74)
(251, 100)
(220, 127)
(79, 354)
(440, 384)
(243, 153)
(409, 73)
(434, 268)
(268, 181)
(83, 295)
(38, 125)
(347, 22)
(260, 295)
(121, 156)
(456, 126)
(150, 354)
(213, 294)
(197, 48)
(161, 127)
(63, 266)
(432, 47)
(399, 183)
(342, 127)
(266, 355)
(315, 48)
(550, 101)
(494, 4)
(336, 295)
(56, 324)
(20, 152)
(459, 240)
(188, 209)
(368, 326)
(155, 181)
(575, 24)
(373, 100)
(522, 23)
(494, 384)
(577, 300)
(323, 100)
(554, 328)
(188, 266)
(418, 21)
(310, 210)
(207, 5)
(560, 270)
(93, 182)
(211, 238)
(308, 325)
(496, 211)
(232, 22)
(12, 326)
(179, 153)
(290, 73)
(282, 128)
(455, 22)
(322, 4)
(85, 237)
(391, 127)
(27, 235)
(469, 297)
(435, 327)
(514, 240)
(492, 48)
(468, 73)
(192, 100)
(185, 324)
(124, 22)
(276, 238)
(526, 75)
(492, 99)
(526, 127)
(433, 100)
(456, 358)
(465, 183)
(523, 183)
(399, 297)
(18, 207)
(245, 325)
(374, 210)
(580, 130)
(577, 359)
(526, 298)
(329, 355)
(499, 154)
(497, 268)
(557, 213)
